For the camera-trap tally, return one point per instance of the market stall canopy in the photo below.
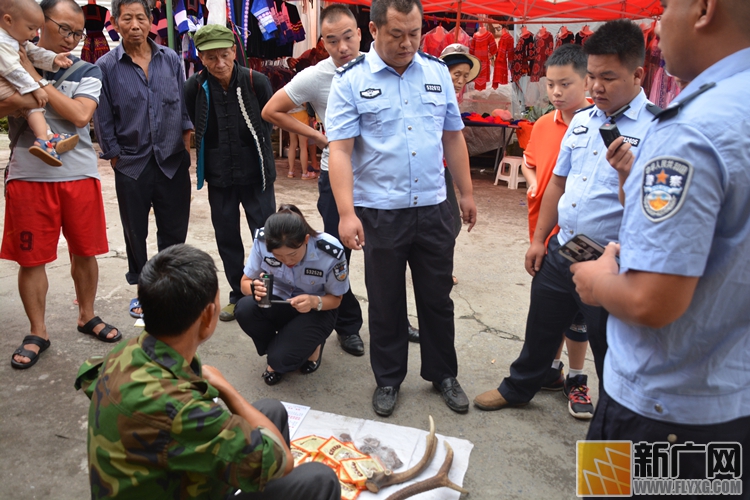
(528, 10)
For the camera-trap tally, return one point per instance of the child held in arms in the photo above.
(19, 22)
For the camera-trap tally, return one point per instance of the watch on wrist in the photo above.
(320, 304)
(42, 83)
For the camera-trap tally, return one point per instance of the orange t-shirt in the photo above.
(541, 155)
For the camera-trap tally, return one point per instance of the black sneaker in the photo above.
(555, 379)
(579, 401)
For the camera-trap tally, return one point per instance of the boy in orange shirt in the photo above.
(566, 88)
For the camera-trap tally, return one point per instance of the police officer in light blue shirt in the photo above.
(310, 273)
(392, 116)
(679, 331)
(582, 197)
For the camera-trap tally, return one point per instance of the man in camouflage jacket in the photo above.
(154, 429)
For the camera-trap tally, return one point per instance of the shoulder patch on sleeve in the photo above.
(331, 249)
(340, 271)
(350, 64)
(664, 186)
(430, 56)
(260, 234)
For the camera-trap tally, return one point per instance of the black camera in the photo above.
(609, 133)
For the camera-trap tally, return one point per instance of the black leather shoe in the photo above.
(310, 366)
(384, 400)
(352, 344)
(454, 396)
(413, 334)
(271, 378)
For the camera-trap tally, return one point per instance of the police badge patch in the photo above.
(370, 93)
(272, 262)
(339, 271)
(580, 129)
(665, 183)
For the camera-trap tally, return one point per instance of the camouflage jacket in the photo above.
(155, 432)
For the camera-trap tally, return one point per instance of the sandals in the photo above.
(64, 142)
(33, 356)
(49, 151)
(308, 366)
(88, 329)
(290, 174)
(135, 304)
(309, 176)
(45, 151)
(271, 378)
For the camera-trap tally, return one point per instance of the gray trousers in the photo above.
(311, 481)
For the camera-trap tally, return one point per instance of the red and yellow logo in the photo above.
(604, 468)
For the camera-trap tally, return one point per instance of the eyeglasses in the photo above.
(66, 32)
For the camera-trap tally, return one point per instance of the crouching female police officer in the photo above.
(310, 273)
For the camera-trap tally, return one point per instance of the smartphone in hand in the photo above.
(581, 248)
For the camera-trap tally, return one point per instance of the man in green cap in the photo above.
(233, 144)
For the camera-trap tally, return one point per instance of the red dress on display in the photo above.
(523, 56)
(545, 45)
(483, 46)
(95, 45)
(463, 38)
(435, 41)
(504, 59)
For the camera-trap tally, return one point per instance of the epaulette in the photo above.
(350, 64)
(671, 111)
(430, 56)
(653, 109)
(260, 234)
(331, 249)
(583, 109)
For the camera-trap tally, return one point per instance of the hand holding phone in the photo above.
(581, 248)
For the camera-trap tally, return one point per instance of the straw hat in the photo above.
(457, 53)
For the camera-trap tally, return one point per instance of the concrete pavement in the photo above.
(524, 453)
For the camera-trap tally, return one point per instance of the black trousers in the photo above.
(613, 421)
(554, 305)
(450, 193)
(349, 320)
(318, 482)
(285, 336)
(225, 217)
(424, 238)
(171, 201)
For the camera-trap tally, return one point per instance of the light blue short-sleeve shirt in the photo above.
(687, 213)
(397, 122)
(322, 270)
(591, 204)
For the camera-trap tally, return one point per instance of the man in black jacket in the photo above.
(233, 146)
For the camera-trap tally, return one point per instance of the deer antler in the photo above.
(440, 480)
(382, 479)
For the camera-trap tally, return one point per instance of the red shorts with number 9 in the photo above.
(36, 211)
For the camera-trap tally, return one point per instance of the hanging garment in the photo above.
(582, 36)
(462, 37)
(298, 30)
(523, 56)
(566, 37)
(434, 42)
(651, 65)
(484, 48)
(95, 45)
(503, 60)
(544, 46)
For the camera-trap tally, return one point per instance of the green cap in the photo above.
(213, 36)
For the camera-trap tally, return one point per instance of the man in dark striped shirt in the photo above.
(144, 131)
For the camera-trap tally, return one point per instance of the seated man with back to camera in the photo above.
(154, 428)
